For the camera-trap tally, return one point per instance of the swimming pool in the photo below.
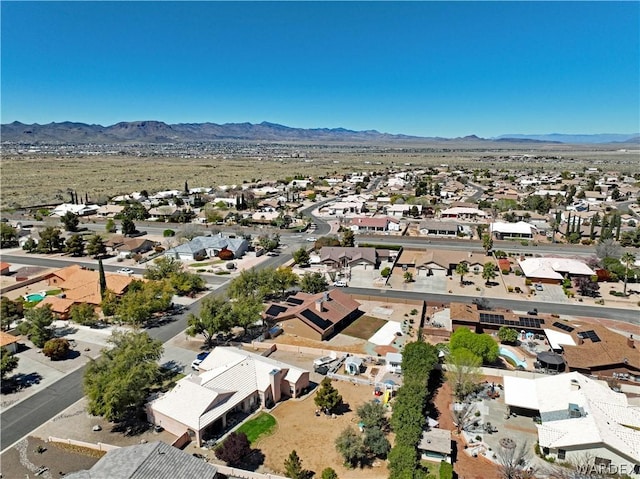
(519, 362)
(35, 297)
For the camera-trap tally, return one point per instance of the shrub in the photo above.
(518, 289)
(56, 349)
(510, 289)
(446, 470)
(168, 233)
(225, 254)
(505, 272)
(518, 272)
(528, 282)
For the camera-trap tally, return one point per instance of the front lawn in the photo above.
(261, 425)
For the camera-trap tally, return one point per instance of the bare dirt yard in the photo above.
(313, 437)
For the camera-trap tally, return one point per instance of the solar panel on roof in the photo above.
(564, 327)
(293, 300)
(315, 319)
(591, 334)
(275, 310)
(491, 318)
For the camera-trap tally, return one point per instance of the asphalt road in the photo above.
(627, 316)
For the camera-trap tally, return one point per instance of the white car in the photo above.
(340, 284)
(311, 239)
(125, 271)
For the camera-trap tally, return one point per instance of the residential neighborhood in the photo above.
(356, 270)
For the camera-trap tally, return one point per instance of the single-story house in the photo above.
(366, 225)
(344, 207)
(8, 342)
(202, 247)
(439, 228)
(435, 445)
(109, 211)
(553, 270)
(230, 380)
(131, 246)
(461, 212)
(521, 229)
(80, 210)
(151, 459)
(342, 256)
(314, 316)
(439, 262)
(61, 307)
(402, 210)
(579, 415)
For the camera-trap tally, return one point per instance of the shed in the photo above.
(394, 362)
(435, 445)
(353, 365)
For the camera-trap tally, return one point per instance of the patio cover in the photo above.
(550, 358)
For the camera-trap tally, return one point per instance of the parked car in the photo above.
(125, 271)
(340, 284)
(311, 239)
(539, 287)
(533, 312)
(195, 365)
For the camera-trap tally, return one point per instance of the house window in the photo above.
(562, 454)
(601, 461)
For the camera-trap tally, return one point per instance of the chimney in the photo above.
(319, 307)
(630, 342)
(325, 296)
(274, 382)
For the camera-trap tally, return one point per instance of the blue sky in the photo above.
(428, 69)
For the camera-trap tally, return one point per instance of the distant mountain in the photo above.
(564, 138)
(160, 132)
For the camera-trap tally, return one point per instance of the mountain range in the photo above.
(160, 132)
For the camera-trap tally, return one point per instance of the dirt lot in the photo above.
(313, 437)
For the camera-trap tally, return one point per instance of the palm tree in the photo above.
(627, 259)
(462, 269)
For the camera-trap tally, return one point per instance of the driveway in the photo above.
(552, 293)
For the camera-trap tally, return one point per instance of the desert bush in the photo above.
(56, 349)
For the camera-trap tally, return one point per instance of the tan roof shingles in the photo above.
(611, 349)
(7, 339)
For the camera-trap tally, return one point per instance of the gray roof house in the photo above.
(147, 461)
(208, 246)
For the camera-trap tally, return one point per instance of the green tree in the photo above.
(10, 311)
(489, 272)
(481, 345)
(313, 283)
(246, 312)
(507, 335)
(102, 279)
(351, 446)
(372, 415)
(215, 317)
(109, 303)
(70, 221)
(120, 379)
(110, 226)
(56, 349)
(329, 473)
(128, 227)
(301, 257)
(37, 325)
(293, 467)
(461, 270)
(327, 398)
(74, 245)
(8, 236)
(234, 448)
(283, 279)
(133, 211)
(446, 470)
(50, 240)
(385, 272)
(83, 313)
(252, 282)
(463, 372)
(376, 442)
(408, 277)
(269, 242)
(403, 461)
(185, 283)
(348, 239)
(163, 267)
(8, 362)
(627, 259)
(96, 247)
(487, 243)
(30, 245)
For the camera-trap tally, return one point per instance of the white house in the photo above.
(579, 415)
(553, 270)
(230, 380)
(208, 246)
(521, 229)
(401, 210)
(365, 224)
(80, 210)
